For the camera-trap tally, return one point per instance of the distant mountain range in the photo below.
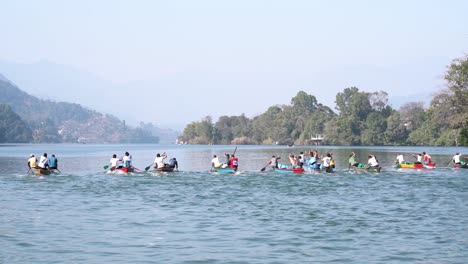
(57, 122)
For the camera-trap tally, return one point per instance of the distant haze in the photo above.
(173, 62)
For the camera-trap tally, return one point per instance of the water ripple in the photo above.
(251, 217)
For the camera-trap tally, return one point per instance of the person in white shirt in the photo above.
(400, 159)
(372, 162)
(215, 162)
(456, 158)
(127, 160)
(114, 162)
(159, 160)
(326, 163)
(418, 158)
(44, 162)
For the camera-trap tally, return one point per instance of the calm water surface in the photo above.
(86, 216)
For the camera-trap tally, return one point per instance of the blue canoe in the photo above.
(223, 170)
(289, 170)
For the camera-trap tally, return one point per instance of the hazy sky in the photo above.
(177, 61)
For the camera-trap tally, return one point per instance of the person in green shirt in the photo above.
(352, 161)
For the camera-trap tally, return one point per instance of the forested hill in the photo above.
(65, 122)
(361, 118)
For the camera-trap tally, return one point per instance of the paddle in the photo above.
(147, 168)
(106, 167)
(263, 169)
(269, 162)
(234, 151)
(449, 162)
(29, 170)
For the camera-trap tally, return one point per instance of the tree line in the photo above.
(361, 118)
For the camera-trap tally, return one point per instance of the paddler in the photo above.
(426, 158)
(372, 162)
(234, 162)
(418, 158)
(457, 159)
(215, 162)
(32, 162)
(352, 161)
(114, 162)
(44, 162)
(400, 159)
(53, 163)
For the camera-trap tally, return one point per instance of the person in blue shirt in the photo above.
(173, 163)
(53, 163)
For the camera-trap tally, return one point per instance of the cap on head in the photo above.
(32, 155)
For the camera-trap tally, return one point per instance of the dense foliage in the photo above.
(362, 118)
(12, 128)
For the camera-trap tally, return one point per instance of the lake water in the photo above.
(193, 216)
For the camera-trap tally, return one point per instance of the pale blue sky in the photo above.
(196, 54)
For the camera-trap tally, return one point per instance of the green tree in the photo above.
(396, 132)
(455, 97)
(303, 104)
(12, 128)
(315, 124)
(354, 107)
(202, 132)
(413, 115)
(267, 127)
(374, 133)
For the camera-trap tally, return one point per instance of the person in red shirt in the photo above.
(426, 158)
(234, 162)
